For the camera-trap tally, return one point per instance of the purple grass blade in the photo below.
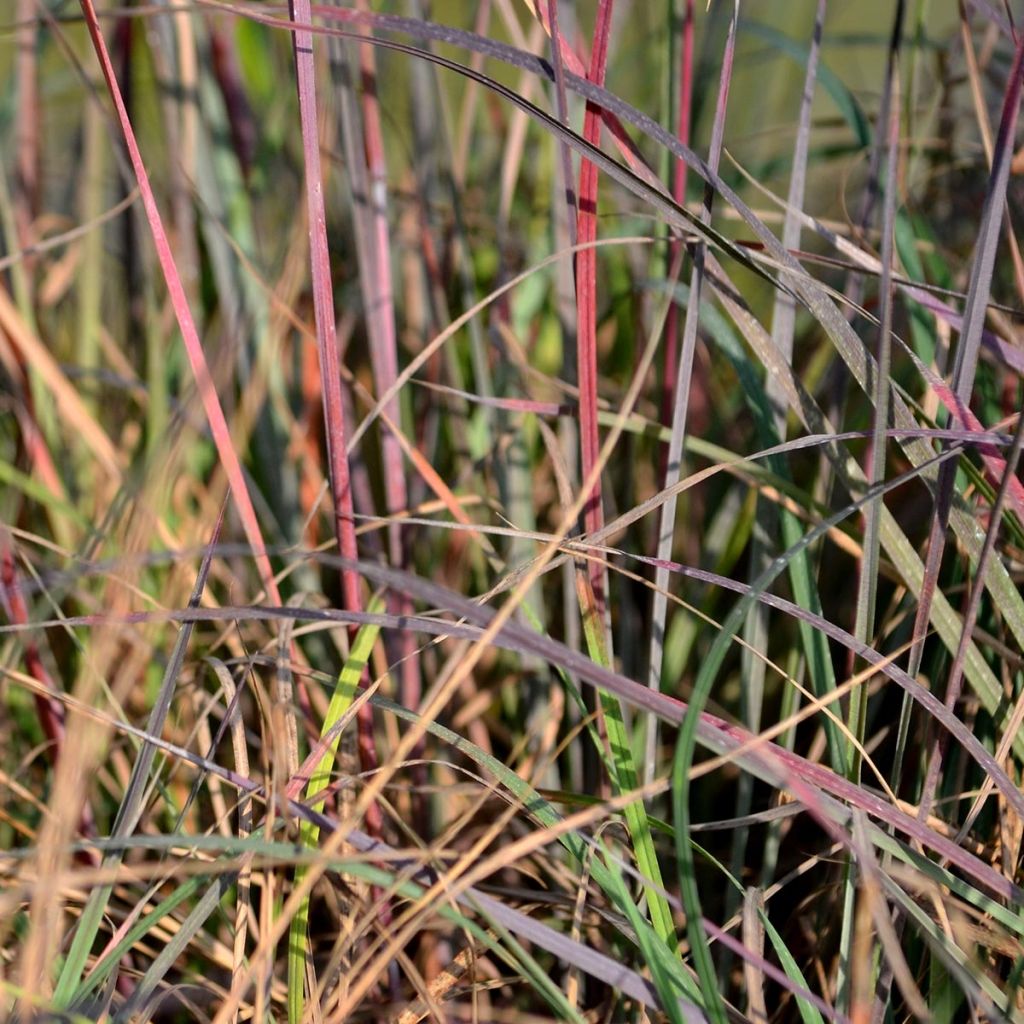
(954, 684)
(967, 351)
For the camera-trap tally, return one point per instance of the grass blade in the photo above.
(344, 693)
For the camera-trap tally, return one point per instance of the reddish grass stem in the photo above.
(193, 347)
(327, 346)
(683, 118)
(970, 340)
(379, 290)
(586, 298)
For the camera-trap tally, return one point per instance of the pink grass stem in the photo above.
(683, 121)
(586, 297)
(193, 347)
(327, 347)
(384, 354)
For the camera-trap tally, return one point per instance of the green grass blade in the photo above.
(309, 832)
(626, 776)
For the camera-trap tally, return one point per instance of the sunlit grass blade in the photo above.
(341, 699)
(626, 776)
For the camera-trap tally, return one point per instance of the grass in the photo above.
(510, 512)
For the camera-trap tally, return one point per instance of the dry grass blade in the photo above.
(132, 804)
